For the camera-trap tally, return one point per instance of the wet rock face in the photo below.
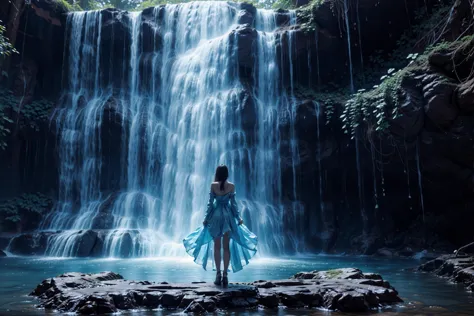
(457, 269)
(30, 244)
(347, 290)
(427, 154)
(465, 96)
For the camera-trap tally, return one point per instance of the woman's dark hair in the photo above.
(222, 173)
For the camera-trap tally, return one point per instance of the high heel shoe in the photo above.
(225, 280)
(218, 278)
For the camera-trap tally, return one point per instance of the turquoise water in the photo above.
(423, 294)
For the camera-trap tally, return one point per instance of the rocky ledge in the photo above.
(347, 290)
(458, 269)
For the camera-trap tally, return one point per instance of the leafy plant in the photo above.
(34, 113)
(64, 6)
(30, 115)
(283, 4)
(6, 48)
(307, 14)
(427, 31)
(7, 99)
(153, 3)
(378, 105)
(24, 211)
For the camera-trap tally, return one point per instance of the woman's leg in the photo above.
(217, 253)
(226, 252)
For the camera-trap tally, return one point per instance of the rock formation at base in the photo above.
(347, 290)
(457, 269)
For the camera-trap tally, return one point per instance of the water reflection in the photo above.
(423, 293)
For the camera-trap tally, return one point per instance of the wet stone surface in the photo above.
(346, 290)
(458, 269)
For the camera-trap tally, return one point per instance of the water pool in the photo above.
(423, 294)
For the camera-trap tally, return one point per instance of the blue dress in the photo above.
(222, 216)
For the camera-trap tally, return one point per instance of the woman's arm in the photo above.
(210, 207)
(234, 208)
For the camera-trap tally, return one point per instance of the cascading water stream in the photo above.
(271, 98)
(298, 219)
(359, 33)
(349, 51)
(317, 58)
(178, 121)
(292, 103)
(374, 175)
(420, 184)
(407, 172)
(356, 141)
(317, 109)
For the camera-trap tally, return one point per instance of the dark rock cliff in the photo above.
(33, 78)
(410, 185)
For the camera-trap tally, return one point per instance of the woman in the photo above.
(222, 226)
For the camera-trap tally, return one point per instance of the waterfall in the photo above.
(359, 35)
(292, 103)
(420, 183)
(374, 175)
(407, 171)
(317, 109)
(181, 105)
(348, 30)
(271, 99)
(298, 221)
(317, 57)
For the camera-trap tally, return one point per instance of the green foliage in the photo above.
(292, 4)
(7, 100)
(30, 115)
(283, 4)
(330, 99)
(425, 32)
(119, 4)
(6, 48)
(153, 3)
(306, 14)
(23, 208)
(332, 274)
(64, 6)
(34, 113)
(4, 131)
(377, 106)
(381, 104)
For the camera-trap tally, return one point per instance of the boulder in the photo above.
(195, 307)
(245, 36)
(30, 244)
(458, 269)
(439, 96)
(85, 242)
(465, 96)
(247, 13)
(126, 246)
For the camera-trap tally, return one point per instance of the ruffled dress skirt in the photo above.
(243, 243)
